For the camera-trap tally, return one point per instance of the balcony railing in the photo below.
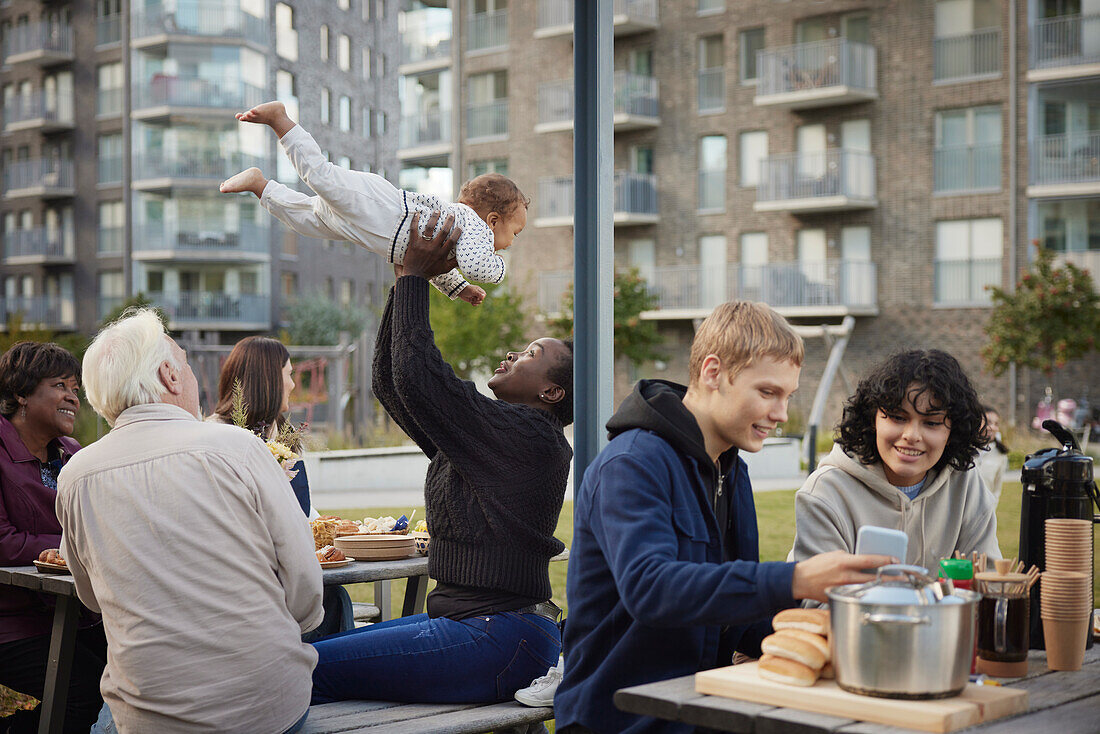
(40, 244)
(46, 40)
(196, 238)
(107, 304)
(1088, 260)
(194, 166)
(173, 91)
(48, 311)
(964, 282)
(425, 40)
(973, 55)
(111, 240)
(188, 307)
(1068, 40)
(712, 90)
(831, 179)
(712, 190)
(829, 284)
(487, 30)
(635, 198)
(108, 102)
(628, 15)
(56, 110)
(109, 169)
(200, 18)
(426, 128)
(835, 71)
(967, 168)
(1070, 158)
(636, 96)
(487, 120)
(51, 176)
(108, 29)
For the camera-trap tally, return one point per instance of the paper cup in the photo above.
(1065, 642)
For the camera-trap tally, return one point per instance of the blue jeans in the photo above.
(106, 723)
(417, 659)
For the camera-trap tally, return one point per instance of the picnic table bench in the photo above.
(385, 717)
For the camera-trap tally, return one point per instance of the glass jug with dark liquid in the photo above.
(1003, 623)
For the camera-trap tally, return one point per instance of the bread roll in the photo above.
(346, 527)
(782, 670)
(810, 620)
(827, 672)
(816, 640)
(792, 648)
(51, 555)
(330, 553)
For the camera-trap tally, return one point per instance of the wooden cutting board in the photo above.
(974, 705)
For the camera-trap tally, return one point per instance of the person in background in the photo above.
(904, 458)
(186, 537)
(39, 402)
(993, 457)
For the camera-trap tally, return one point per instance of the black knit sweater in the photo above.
(496, 481)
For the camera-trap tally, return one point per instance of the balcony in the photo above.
(39, 246)
(831, 180)
(108, 29)
(195, 242)
(158, 170)
(44, 312)
(41, 177)
(1087, 260)
(1065, 165)
(555, 17)
(164, 95)
(209, 20)
(205, 310)
(1065, 47)
(105, 305)
(635, 200)
(110, 240)
(425, 43)
(425, 137)
(489, 120)
(39, 43)
(109, 170)
(487, 31)
(108, 102)
(47, 113)
(962, 283)
(967, 57)
(824, 288)
(636, 104)
(711, 96)
(962, 169)
(821, 74)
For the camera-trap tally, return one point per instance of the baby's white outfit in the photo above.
(367, 209)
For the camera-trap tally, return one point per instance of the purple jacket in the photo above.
(28, 525)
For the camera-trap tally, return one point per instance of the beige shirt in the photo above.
(187, 537)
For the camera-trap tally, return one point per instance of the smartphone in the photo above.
(882, 541)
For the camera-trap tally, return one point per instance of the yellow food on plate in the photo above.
(324, 531)
(421, 527)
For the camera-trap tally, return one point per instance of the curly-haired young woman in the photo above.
(904, 458)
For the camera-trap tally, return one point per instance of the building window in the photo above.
(380, 9)
(324, 43)
(754, 262)
(713, 267)
(710, 6)
(366, 63)
(345, 113)
(381, 65)
(754, 149)
(488, 108)
(347, 291)
(967, 42)
(489, 165)
(968, 258)
(1069, 226)
(379, 123)
(111, 228)
(368, 117)
(326, 106)
(343, 4)
(712, 173)
(751, 41)
(968, 150)
(329, 287)
(290, 285)
(343, 52)
(286, 36)
(110, 158)
(108, 21)
(109, 92)
(712, 74)
(112, 291)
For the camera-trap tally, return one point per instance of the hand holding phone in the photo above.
(882, 541)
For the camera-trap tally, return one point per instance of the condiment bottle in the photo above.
(960, 571)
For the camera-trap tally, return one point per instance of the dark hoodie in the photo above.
(660, 584)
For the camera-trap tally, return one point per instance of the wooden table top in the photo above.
(1058, 701)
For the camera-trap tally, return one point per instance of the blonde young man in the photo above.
(664, 572)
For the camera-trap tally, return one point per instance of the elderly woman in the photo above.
(493, 493)
(39, 385)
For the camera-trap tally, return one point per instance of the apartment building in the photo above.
(117, 128)
(879, 159)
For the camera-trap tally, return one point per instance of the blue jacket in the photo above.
(650, 594)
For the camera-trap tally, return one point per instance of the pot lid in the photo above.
(895, 584)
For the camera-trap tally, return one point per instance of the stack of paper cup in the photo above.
(1068, 545)
(1066, 607)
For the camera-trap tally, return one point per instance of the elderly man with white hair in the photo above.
(187, 537)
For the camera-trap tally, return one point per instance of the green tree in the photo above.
(635, 339)
(318, 322)
(1052, 318)
(473, 339)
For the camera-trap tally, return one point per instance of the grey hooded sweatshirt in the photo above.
(954, 511)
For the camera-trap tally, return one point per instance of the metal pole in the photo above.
(1013, 214)
(593, 244)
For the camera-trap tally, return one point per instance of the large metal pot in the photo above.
(914, 646)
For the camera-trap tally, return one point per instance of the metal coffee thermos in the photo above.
(1057, 483)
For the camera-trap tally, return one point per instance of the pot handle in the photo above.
(869, 618)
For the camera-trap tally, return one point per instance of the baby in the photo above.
(367, 209)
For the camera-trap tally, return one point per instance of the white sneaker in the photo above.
(541, 691)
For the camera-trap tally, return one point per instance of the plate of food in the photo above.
(50, 561)
(331, 557)
(335, 564)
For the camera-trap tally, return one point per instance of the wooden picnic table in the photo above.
(1057, 701)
